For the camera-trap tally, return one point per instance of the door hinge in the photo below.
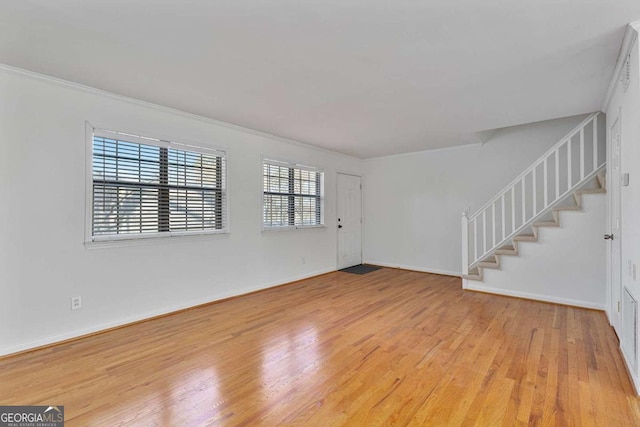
(618, 306)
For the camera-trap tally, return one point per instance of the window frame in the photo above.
(271, 160)
(152, 237)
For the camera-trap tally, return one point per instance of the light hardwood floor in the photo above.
(390, 347)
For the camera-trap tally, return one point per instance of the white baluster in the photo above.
(513, 208)
(475, 239)
(524, 206)
(581, 154)
(484, 231)
(465, 242)
(545, 182)
(595, 142)
(557, 155)
(504, 222)
(569, 180)
(535, 192)
(493, 221)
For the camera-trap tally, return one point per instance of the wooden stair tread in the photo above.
(568, 208)
(474, 274)
(525, 238)
(506, 251)
(493, 265)
(546, 224)
(591, 191)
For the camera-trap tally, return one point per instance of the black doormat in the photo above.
(361, 269)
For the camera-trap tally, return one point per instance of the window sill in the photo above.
(280, 229)
(152, 240)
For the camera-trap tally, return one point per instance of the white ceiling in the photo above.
(362, 77)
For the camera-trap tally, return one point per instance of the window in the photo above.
(145, 187)
(293, 196)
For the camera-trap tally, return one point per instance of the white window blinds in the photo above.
(293, 195)
(144, 187)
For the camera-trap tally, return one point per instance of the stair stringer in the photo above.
(560, 264)
(492, 260)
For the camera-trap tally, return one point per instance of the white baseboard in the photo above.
(414, 268)
(635, 381)
(132, 319)
(470, 285)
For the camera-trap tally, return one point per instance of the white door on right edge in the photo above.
(616, 227)
(349, 220)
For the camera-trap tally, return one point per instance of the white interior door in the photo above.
(615, 227)
(349, 220)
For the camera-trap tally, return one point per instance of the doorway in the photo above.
(349, 216)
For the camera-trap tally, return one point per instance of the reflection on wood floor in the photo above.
(390, 347)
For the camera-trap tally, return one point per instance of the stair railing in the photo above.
(578, 157)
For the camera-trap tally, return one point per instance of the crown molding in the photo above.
(162, 108)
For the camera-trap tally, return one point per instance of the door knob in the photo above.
(339, 226)
(608, 237)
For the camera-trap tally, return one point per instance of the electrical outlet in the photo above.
(76, 302)
(304, 260)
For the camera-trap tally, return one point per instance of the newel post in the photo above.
(465, 241)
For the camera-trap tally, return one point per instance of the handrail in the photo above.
(557, 145)
(566, 166)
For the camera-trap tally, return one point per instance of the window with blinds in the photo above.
(293, 195)
(144, 187)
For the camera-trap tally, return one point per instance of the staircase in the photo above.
(555, 182)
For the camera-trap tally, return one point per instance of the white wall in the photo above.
(414, 202)
(628, 104)
(43, 261)
(566, 265)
